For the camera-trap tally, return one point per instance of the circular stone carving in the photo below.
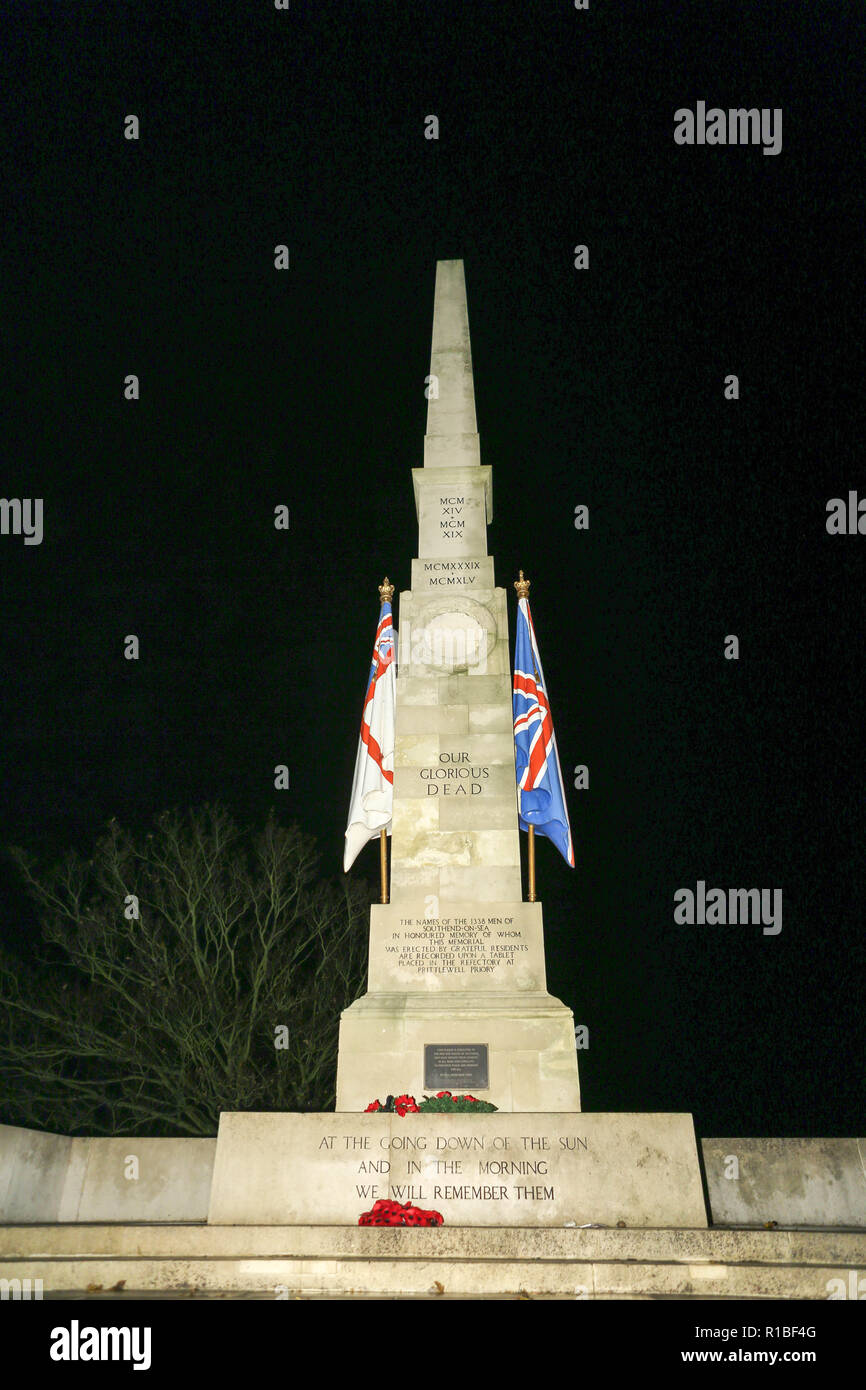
(458, 635)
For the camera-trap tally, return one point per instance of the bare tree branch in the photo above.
(154, 1024)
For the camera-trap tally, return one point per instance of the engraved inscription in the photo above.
(422, 1166)
(463, 779)
(452, 522)
(458, 945)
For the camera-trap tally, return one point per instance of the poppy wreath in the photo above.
(443, 1103)
(387, 1213)
(402, 1105)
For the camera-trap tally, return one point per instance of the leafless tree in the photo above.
(200, 968)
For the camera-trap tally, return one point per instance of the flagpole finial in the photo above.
(522, 586)
(386, 591)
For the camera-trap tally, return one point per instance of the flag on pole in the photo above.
(540, 789)
(371, 806)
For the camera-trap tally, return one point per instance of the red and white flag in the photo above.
(372, 803)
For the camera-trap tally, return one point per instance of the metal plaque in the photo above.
(450, 1066)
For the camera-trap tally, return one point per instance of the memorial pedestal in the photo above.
(528, 1042)
(472, 979)
(528, 1170)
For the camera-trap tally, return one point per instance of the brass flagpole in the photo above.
(386, 594)
(532, 863)
(383, 864)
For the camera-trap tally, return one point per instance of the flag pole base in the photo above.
(532, 863)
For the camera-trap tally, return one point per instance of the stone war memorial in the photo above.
(456, 759)
(457, 994)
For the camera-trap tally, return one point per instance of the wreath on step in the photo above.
(386, 1213)
(443, 1103)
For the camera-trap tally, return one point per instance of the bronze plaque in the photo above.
(460, 1066)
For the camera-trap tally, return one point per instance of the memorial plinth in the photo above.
(456, 956)
(475, 1170)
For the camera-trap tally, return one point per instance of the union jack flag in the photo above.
(540, 789)
(372, 801)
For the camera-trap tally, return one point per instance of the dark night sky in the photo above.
(605, 387)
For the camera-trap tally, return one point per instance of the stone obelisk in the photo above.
(457, 996)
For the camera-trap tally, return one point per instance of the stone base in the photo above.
(528, 1170)
(795, 1182)
(530, 1040)
(279, 1262)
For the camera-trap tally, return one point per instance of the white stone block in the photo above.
(532, 1170)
